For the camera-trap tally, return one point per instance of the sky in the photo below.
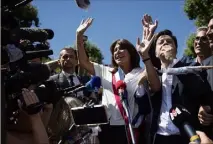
(113, 19)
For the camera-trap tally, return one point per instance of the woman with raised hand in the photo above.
(126, 67)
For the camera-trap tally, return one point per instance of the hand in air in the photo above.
(148, 26)
(148, 36)
(84, 25)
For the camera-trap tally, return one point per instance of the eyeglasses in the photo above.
(203, 39)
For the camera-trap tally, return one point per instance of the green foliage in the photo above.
(28, 16)
(189, 51)
(199, 10)
(58, 70)
(93, 52)
(94, 55)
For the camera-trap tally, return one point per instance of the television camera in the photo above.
(19, 45)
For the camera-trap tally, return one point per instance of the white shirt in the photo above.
(108, 98)
(75, 81)
(166, 127)
(206, 62)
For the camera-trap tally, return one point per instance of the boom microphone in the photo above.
(33, 35)
(180, 117)
(185, 70)
(29, 55)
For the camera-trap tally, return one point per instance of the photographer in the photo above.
(30, 128)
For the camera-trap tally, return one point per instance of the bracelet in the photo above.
(146, 59)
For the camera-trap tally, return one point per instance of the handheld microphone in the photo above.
(180, 117)
(120, 87)
(92, 85)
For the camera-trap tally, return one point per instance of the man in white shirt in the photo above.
(187, 90)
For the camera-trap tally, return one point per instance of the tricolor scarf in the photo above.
(132, 80)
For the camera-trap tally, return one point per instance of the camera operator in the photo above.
(30, 128)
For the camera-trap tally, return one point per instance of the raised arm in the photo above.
(82, 57)
(143, 49)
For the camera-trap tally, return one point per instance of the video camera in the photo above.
(22, 38)
(18, 46)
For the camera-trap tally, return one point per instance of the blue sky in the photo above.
(113, 19)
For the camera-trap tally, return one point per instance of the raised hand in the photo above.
(148, 26)
(84, 25)
(144, 47)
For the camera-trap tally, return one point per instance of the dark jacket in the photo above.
(190, 91)
(62, 82)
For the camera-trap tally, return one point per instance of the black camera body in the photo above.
(18, 46)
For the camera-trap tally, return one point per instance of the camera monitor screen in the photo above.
(89, 115)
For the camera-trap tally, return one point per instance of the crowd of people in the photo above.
(151, 91)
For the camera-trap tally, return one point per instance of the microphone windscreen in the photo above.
(120, 85)
(34, 34)
(94, 83)
(50, 33)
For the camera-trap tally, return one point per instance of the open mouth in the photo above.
(119, 57)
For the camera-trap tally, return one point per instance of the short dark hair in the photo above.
(67, 49)
(166, 32)
(156, 61)
(125, 44)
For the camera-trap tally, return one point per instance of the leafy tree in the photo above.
(27, 15)
(189, 51)
(94, 55)
(93, 52)
(201, 11)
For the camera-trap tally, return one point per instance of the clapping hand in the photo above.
(84, 25)
(148, 36)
